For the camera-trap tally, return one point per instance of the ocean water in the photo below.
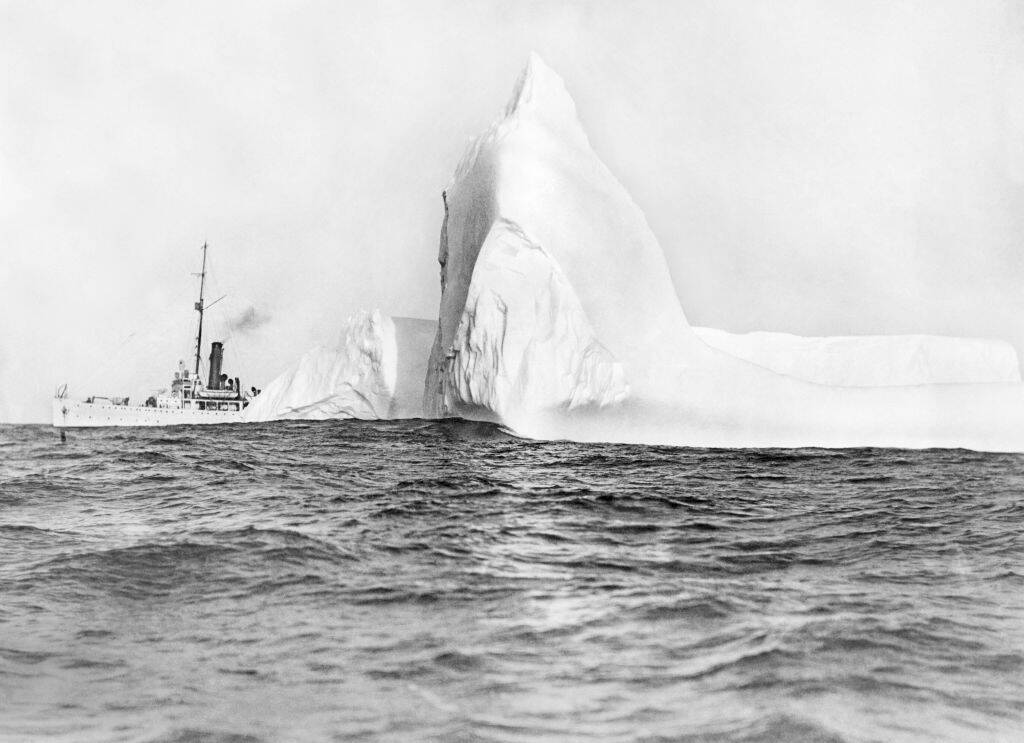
(443, 581)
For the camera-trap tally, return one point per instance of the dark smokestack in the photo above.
(216, 359)
(238, 387)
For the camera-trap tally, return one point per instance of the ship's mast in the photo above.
(199, 309)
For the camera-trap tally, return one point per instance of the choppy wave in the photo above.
(445, 581)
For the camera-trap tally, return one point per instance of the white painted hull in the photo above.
(80, 414)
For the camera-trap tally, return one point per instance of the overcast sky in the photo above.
(812, 167)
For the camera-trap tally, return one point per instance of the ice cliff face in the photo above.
(376, 372)
(558, 317)
(523, 339)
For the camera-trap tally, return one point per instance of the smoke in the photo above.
(248, 320)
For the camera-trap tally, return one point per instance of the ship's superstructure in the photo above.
(188, 401)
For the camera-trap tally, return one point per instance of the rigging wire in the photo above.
(145, 345)
(152, 345)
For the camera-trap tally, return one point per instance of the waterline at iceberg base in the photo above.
(559, 320)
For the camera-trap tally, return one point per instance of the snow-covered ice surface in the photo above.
(559, 319)
(872, 360)
(376, 372)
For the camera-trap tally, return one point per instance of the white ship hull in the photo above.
(81, 414)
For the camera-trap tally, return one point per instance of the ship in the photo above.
(188, 401)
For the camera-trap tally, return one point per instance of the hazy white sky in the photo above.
(813, 167)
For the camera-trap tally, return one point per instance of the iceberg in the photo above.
(375, 373)
(872, 360)
(558, 318)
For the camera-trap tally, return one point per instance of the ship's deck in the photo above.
(78, 414)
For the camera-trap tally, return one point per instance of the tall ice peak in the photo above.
(541, 90)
